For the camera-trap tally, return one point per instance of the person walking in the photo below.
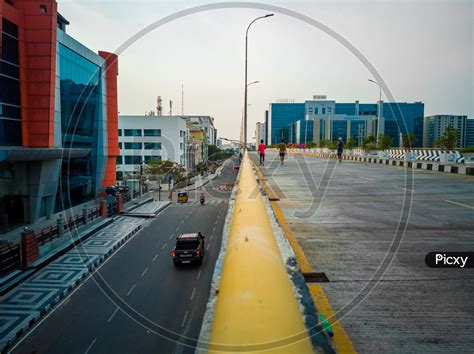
(282, 149)
(339, 147)
(261, 150)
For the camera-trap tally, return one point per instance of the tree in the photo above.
(369, 143)
(385, 142)
(448, 139)
(350, 143)
(323, 143)
(409, 141)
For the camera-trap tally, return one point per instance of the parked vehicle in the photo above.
(183, 197)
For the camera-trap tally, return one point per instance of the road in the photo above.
(137, 301)
(347, 219)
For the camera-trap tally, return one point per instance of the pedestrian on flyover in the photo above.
(261, 150)
(282, 149)
(339, 147)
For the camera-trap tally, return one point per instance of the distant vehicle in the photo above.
(183, 197)
(113, 190)
(189, 248)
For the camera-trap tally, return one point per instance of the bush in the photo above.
(467, 149)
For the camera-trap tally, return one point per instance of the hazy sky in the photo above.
(423, 49)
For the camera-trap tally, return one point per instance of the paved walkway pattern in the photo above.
(24, 305)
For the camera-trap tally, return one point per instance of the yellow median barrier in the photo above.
(256, 308)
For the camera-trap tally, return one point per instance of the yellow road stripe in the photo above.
(460, 204)
(341, 340)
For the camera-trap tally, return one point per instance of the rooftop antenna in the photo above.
(182, 99)
(171, 107)
(159, 106)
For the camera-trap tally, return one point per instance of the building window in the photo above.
(43, 9)
(120, 132)
(181, 146)
(133, 146)
(152, 146)
(133, 160)
(152, 132)
(323, 110)
(120, 145)
(132, 132)
(316, 110)
(119, 160)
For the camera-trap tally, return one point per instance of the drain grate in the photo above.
(315, 278)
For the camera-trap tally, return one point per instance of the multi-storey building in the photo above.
(333, 120)
(146, 138)
(470, 132)
(58, 116)
(205, 123)
(260, 133)
(434, 127)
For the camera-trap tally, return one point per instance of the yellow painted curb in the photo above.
(341, 340)
(256, 309)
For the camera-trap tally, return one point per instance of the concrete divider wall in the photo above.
(256, 309)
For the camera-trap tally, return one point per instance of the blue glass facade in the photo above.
(281, 116)
(398, 118)
(10, 110)
(81, 110)
(470, 132)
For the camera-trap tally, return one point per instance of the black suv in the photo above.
(189, 248)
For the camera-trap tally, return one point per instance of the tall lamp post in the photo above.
(378, 108)
(247, 85)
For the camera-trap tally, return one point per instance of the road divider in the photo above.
(256, 308)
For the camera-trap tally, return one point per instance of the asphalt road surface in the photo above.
(137, 301)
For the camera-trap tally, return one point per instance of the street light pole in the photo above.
(378, 108)
(246, 85)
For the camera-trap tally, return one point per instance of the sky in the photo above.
(423, 50)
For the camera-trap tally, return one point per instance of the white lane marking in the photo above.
(367, 178)
(143, 273)
(156, 256)
(182, 222)
(184, 319)
(199, 274)
(405, 189)
(177, 228)
(131, 289)
(216, 221)
(90, 346)
(213, 229)
(164, 246)
(113, 314)
(172, 235)
(68, 297)
(460, 204)
(210, 238)
(207, 247)
(192, 294)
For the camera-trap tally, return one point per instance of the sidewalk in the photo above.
(21, 307)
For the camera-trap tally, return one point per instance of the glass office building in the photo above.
(58, 117)
(470, 132)
(346, 119)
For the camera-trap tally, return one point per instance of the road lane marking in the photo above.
(460, 204)
(156, 256)
(113, 314)
(184, 319)
(177, 228)
(405, 189)
(199, 274)
(211, 237)
(171, 237)
(367, 178)
(90, 346)
(213, 229)
(192, 294)
(182, 222)
(164, 246)
(131, 289)
(207, 247)
(143, 273)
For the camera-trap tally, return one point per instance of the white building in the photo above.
(434, 126)
(260, 133)
(146, 138)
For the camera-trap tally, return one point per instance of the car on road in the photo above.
(189, 249)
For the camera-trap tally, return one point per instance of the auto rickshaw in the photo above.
(183, 197)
